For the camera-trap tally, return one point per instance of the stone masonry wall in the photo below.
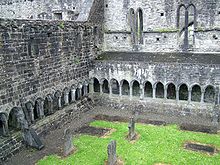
(40, 9)
(41, 57)
(160, 32)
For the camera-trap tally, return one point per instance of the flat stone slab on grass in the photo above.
(94, 131)
(208, 149)
(198, 128)
(126, 119)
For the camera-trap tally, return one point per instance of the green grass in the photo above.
(157, 144)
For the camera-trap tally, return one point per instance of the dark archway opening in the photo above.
(209, 96)
(148, 89)
(196, 93)
(183, 92)
(105, 87)
(96, 85)
(171, 91)
(125, 88)
(136, 88)
(48, 105)
(159, 90)
(115, 87)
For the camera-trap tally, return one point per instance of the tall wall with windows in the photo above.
(167, 25)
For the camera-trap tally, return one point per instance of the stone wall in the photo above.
(111, 76)
(160, 31)
(40, 9)
(40, 57)
(12, 144)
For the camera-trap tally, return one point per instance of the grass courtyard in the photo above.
(156, 144)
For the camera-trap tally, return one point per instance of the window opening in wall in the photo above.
(215, 37)
(159, 90)
(186, 23)
(148, 90)
(77, 94)
(58, 16)
(196, 93)
(96, 85)
(136, 88)
(115, 87)
(106, 5)
(183, 92)
(105, 87)
(171, 91)
(125, 88)
(132, 25)
(140, 26)
(158, 39)
(161, 14)
(209, 96)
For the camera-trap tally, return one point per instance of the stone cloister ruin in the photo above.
(156, 57)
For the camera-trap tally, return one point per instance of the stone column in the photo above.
(66, 98)
(177, 95)
(31, 113)
(86, 89)
(73, 97)
(154, 92)
(141, 92)
(189, 96)
(131, 92)
(165, 92)
(120, 90)
(4, 120)
(110, 89)
(59, 102)
(40, 109)
(101, 84)
(91, 87)
(202, 96)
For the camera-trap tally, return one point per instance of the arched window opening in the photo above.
(57, 100)
(136, 88)
(186, 23)
(96, 85)
(183, 92)
(132, 25)
(159, 90)
(77, 94)
(115, 87)
(209, 96)
(191, 25)
(48, 105)
(3, 125)
(105, 87)
(171, 91)
(148, 89)
(140, 26)
(16, 116)
(196, 93)
(125, 88)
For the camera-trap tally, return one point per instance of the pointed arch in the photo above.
(125, 87)
(105, 86)
(183, 92)
(209, 96)
(135, 88)
(114, 86)
(159, 90)
(96, 85)
(171, 91)
(196, 93)
(148, 89)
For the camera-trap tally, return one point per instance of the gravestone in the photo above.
(131, 127)
(112, 157)
(30, 136)
(68, 145)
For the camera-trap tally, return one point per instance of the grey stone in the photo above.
(112, 156)
(131, 127)
(68, 143)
